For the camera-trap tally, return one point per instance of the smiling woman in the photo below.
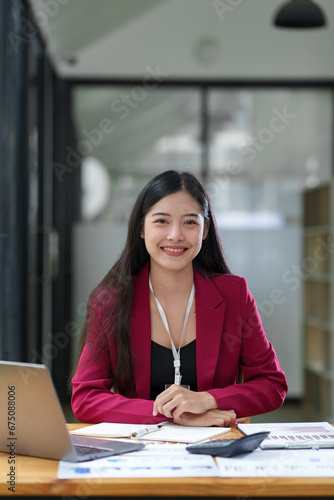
(174, 227)
(169, 327)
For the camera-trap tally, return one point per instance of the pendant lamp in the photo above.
(300, 14)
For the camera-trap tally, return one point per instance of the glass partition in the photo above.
(265, 148)
(135, 134)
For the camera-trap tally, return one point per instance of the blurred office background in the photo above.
(98, 96)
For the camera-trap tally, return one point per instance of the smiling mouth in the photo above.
(174, 250)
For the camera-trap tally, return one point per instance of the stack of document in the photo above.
(157, 459)
(161, 459)
(304, 435)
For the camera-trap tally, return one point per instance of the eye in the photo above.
(190, 222)
(160, 221)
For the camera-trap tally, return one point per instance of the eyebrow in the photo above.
(168, 215)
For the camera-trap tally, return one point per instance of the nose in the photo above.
(175, 233)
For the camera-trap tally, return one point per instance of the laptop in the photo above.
(32, 420)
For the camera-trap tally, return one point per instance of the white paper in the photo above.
(279, 463)
(293, 434)
(171, 432)
(155, 460)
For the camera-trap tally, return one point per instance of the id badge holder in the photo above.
(181, 385)
(177, 379)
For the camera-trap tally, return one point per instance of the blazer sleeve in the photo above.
(93, 400)
(264, 386)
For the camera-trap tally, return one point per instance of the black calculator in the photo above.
(229, 447)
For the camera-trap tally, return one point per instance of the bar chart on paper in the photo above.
(294, 435)
(279, 463)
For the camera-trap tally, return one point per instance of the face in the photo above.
(173, 231)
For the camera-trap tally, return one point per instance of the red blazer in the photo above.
(229, 334)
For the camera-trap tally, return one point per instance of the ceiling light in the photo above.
(300, 14)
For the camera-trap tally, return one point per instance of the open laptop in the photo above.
(32, 420)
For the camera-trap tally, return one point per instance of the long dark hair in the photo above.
(117, 283)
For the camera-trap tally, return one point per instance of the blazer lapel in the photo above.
(141, 334)
(210, 310)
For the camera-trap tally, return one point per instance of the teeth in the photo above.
(174, 249)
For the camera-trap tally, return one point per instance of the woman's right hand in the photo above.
(218, 418)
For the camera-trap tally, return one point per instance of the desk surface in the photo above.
(38, 477)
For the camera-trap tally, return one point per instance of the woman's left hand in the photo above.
(217, 418)
(177, 400)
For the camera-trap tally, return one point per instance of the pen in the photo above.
(147, 430)
(299, 445)
(309, 444)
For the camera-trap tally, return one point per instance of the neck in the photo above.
(171, 284)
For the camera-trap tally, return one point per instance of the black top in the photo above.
(162, 367)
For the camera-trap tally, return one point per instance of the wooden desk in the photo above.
(38, 477)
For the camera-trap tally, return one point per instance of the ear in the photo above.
(206, 229)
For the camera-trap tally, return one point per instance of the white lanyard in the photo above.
(176, 353)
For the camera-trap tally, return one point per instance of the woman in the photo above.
(169, 328)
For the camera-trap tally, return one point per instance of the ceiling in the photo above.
(186, 39)
(192, 40)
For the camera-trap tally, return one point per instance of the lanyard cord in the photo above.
(176, 353)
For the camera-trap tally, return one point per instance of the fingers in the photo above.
(168, 400)
(217, 418)
(176, 400)
(228, 416)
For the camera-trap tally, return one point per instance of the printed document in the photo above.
(155, 460)
(279, 463)
(293, 435)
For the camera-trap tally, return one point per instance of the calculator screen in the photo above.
(225, 442)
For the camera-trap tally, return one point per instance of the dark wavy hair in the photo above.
(117, 284)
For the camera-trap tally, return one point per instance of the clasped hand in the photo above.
(192, 408)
